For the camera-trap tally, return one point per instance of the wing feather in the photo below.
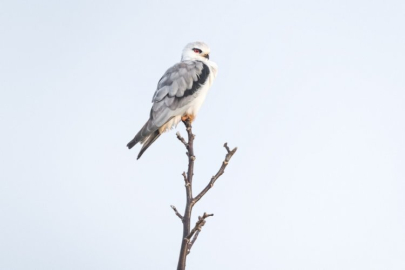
(159, 95)
(180, 78)
(182, 86)
(168, 101)
(175, 90)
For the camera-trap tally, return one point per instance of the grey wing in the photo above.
(176, 89)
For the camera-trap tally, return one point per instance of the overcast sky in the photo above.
(311, 92)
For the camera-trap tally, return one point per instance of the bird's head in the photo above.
(196, 51)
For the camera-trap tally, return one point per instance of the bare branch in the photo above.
(196, 231)
(190, 236)
(190, 245)
(181, 139)
(199, 224)
(218, 174)
(185, 179)
(176, 212)
(227, 148)
(189, 197)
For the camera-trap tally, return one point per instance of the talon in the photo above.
(188, 117)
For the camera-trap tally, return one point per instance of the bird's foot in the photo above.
(187, 117)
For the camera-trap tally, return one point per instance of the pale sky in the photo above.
(311, 92)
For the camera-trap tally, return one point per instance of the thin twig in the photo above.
(190, 245)
(196, 230)
(185, 179)
(176, 212)
(198, 225)
(218, 174)
(181, 139)
(227, 148)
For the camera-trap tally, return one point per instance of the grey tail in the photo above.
(140, 136)
(132, 143)
(152, 138)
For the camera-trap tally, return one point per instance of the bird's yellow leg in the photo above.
(188, 117)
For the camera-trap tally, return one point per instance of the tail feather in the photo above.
(142, 135)
(132, 143)
(151, 139)
(147, 135)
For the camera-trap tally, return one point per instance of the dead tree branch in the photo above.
(190, 245)
(201, 222)
(218, 174)
(176, 212)
(181, 139)
(190, 236)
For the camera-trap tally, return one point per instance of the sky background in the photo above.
(311, 92)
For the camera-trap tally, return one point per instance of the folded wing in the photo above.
(175, 90)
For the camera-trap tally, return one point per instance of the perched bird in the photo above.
(179, 94)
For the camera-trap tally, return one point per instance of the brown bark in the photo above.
(190, 236)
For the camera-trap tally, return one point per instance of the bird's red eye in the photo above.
(197, 50)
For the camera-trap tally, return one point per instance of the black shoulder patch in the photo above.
(202, 78)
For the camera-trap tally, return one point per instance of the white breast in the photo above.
(202, 93)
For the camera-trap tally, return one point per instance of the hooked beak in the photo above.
(207, 56)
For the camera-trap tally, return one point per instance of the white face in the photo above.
(196, 51)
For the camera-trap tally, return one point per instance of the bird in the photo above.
(179, 95)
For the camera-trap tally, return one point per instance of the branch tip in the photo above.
(180, 138)
(176, 212)
(220, 172)
(198, 225)
(226, 147)
(185, 177)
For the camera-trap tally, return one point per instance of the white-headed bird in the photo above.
(179, 95)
